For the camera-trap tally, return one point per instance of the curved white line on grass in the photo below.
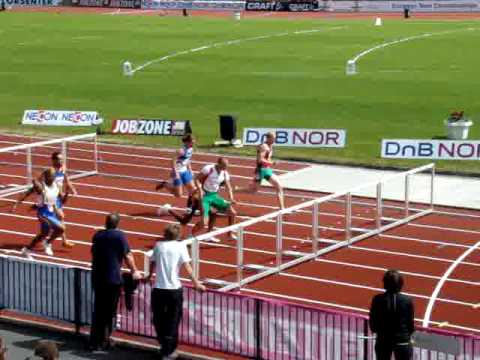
(381, 46)
(229, 42)
(433, 298)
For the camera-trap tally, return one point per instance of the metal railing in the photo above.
(236, 324)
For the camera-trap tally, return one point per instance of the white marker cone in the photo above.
(127, 69)
(351, 67)
(378, 21)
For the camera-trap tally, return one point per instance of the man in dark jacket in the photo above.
(392, 319)
(109, 250)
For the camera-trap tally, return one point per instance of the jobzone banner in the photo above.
(117, 4)
(151, 127)
(14, 3)
(314, 138)
(430, 149)
(61, 118)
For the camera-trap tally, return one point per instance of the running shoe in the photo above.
(48, 249)
(67, 244)
(160, 185)
(27, 253)
(213, 239)
(163, 210)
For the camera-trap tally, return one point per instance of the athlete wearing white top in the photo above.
(213, 178)
(208, 183)
(47, 212)
(47, 199)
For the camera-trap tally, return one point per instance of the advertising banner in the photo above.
(117, 4)
(315, 138)
(14, 3)
(193, 5)
(151, 127)
(61, 118)
(398, 6)
(281, 5)
(430, 149)
(259, 5)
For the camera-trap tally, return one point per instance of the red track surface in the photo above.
(346, 278)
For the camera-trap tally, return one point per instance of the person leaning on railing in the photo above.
(169, 255)
(392, 319)
(109, 249)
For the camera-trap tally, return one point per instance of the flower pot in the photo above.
(458, 130)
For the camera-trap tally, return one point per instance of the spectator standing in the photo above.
(392, 319)
(169, 255)
(109, 249)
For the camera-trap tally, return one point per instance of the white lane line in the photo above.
(421, 36)
(438, 243)
(227, 43)
(336, 305)
(152, 149)
(129, 155)
(370, 288)
(434, 297)
(382, 270)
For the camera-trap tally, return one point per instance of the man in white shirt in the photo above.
(169, 255)
(208, 183)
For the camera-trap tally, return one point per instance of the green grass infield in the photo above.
(292, 77)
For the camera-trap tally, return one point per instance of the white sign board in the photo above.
(315, 138)
(60, 118)
(430, 149)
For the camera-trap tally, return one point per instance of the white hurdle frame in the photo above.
(277, 217)
(29, 167)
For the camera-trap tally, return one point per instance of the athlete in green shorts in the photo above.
(208, 182)
(263, 170)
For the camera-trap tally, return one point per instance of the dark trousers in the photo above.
(167, 313)
(384, 350)
(104, 311)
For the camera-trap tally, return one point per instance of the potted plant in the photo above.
(458, 125)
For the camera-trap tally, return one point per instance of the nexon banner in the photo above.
(151, 127)
(60, 118)
(13, 3)
(431, 149)
(297, 137)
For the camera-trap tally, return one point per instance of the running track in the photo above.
(347, 278)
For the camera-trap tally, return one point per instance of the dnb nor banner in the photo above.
(193, 5)
(297, 137)
(151, 127)
(431, 149)
(61, 118)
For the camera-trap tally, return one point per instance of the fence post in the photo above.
(258, 329)
(365, 339)
(77, 302)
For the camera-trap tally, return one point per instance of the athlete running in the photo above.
(51, 225)
(264, 171)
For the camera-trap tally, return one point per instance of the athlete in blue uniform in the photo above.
(181, 173)
(47, 212)
(65, 188)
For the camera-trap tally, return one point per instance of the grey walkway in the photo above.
(21, 340)
(450, 190)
